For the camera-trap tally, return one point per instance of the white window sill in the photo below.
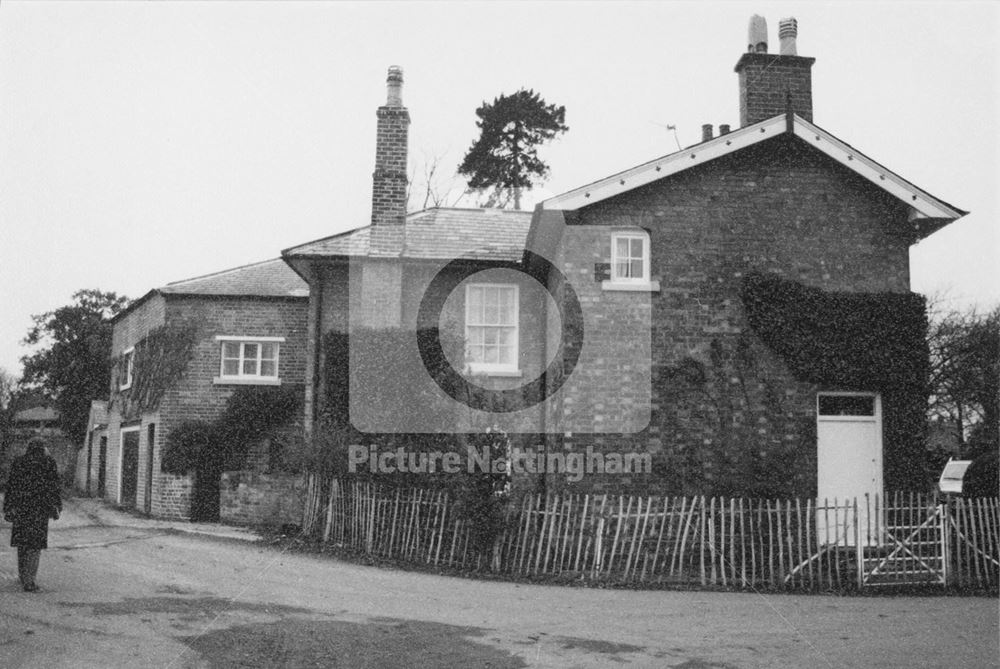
(280, 340)
(510, 373)
(125, 387)
(632, 286)
(245, 381)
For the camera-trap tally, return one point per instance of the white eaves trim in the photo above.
(667, 165)
(922, 204)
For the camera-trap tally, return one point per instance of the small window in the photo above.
(127, 369)
(846, 405)
(630, 257)
(491, 327)
(249, 360)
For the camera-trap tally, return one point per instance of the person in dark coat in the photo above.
(32, 498)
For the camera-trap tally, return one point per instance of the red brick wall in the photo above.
(389, 179)
(748, 428)
(342, 287)
(128, 331)
(262, 499)
(766, 81)
(196, 396)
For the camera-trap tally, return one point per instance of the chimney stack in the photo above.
(770, 83)
(706, 132)
(724, 129)
(389, 178)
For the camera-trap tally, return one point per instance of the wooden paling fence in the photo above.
(710, 541)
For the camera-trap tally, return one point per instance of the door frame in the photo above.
(102, 464)
(864, 520)
(876, 418)
(147, 502)
(121, 455)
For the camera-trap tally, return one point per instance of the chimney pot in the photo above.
(788, 30)
(394, 87)
(706, 132)
(757, 34)
(723, 129)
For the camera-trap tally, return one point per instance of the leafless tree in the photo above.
(432, 188)
(964, 378)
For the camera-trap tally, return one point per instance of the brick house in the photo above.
(665, 261)
(778, 197)
(239, 327)
(376, 276)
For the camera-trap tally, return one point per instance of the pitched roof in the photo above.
(270, 278)
(437, 234)
(922, 204)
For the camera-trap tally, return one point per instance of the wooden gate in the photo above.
(906, 543)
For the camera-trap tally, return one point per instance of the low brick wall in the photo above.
(173, 499)
(261, 499)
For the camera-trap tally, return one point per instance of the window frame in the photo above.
(489, 368)
(240, 377)
(874, 417)
(129, 357)
(630, 235)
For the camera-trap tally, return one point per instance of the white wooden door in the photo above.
(849, 463)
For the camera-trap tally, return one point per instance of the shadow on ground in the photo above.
(385, 644)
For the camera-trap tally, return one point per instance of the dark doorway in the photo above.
(90, 462)
(102, 466)
(205, 494)
(147, 505)
(130, 467)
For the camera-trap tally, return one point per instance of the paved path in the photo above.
(122, 591)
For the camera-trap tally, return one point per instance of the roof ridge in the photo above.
(327, 238)
(221, 272)
(482, 209)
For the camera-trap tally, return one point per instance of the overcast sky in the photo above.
(142, 143)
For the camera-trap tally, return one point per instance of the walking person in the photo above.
(32, 498)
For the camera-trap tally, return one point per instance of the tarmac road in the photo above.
(122, 591)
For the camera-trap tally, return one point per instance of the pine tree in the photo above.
(505, 157)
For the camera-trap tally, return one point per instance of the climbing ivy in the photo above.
(252, 413)
(160, 359)
(858, 341)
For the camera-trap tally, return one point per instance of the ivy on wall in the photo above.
(854, 341)
(252, 413)
(160, 359)
(733, 430)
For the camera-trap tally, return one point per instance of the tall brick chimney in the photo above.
(767, 80)
(389, 178)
